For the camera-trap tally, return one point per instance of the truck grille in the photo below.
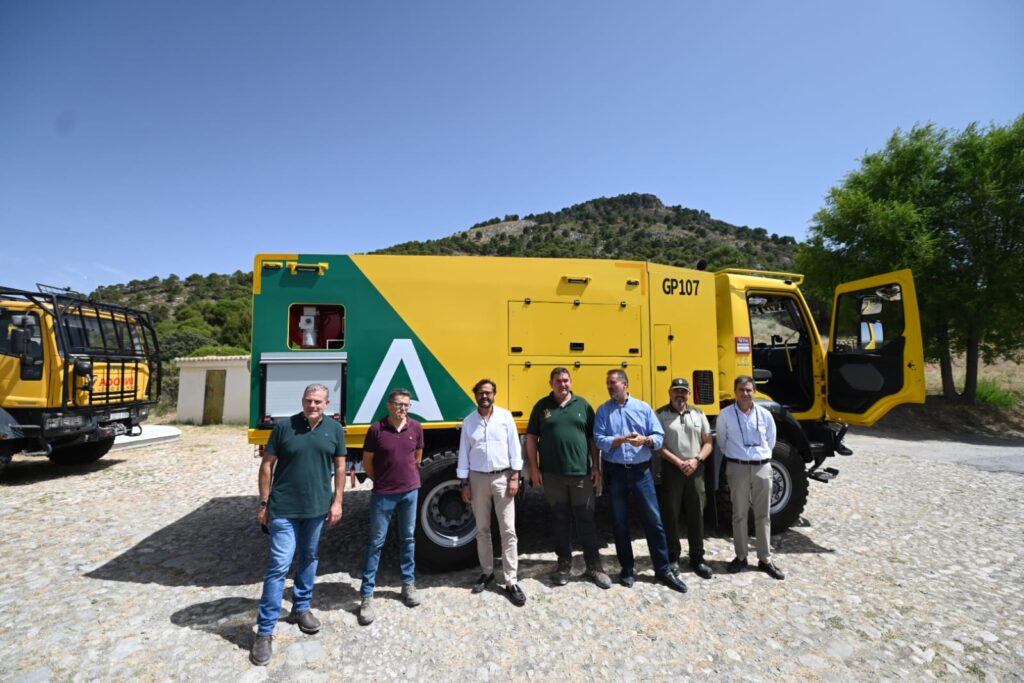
(703, 387)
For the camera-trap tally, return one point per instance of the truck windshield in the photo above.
(109, 335)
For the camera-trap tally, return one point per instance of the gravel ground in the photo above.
(147, 566)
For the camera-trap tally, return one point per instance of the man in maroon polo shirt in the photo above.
(391, 457)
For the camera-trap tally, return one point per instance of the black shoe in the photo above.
(306, 622)
(672, 581)
(560, 576)
(771, 570)
(262, 650)
(843, 449)
(627, 578)
(701, 569)
(515, 595)
(482, 582)
(737, 565)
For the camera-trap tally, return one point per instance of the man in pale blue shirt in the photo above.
(626, 430)
(746, 435)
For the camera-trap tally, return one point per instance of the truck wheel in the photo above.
(789, 492)
(5, 457)
(81, 454)
(445, 527)
(789, 487)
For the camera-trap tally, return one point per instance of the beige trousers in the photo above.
(750, 486)
(488, 490)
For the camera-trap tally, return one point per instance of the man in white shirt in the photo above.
(490, 463)
(746, 435)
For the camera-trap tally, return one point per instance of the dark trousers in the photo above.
(679, 492)
(638, 481)
(572, 496)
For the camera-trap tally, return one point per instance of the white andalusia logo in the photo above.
(401, 351)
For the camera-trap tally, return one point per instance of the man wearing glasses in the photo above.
(392, 453)
(746, 435)
(490, 461)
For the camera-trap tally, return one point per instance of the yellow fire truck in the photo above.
(436, 324)
(74, 374)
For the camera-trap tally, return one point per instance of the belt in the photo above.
(494, 471)
(629, 466)
(748, 462)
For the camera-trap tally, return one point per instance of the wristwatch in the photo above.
(263, 503)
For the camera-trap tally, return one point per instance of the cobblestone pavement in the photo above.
(147, 566)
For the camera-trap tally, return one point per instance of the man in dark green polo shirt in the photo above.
(301, 457)
(563, 459)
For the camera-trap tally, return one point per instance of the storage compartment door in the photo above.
(286, 376)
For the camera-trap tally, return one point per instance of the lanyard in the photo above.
(757, 426)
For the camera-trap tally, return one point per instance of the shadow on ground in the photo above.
(233, 618)
(939, 420)
(220, 544)
(32, 470)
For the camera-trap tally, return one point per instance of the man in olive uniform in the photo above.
(687, 445)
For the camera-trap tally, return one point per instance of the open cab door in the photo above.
(875, 356)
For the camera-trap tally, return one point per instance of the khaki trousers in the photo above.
(488, 491)
(750, 486)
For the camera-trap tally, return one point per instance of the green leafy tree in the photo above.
(218, 350)
(949, 206)
(182, 343)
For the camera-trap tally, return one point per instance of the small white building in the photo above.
(213, 389)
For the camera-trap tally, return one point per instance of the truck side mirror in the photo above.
(83, 368)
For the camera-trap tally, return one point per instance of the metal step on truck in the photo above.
(74, 374)
(362, 325)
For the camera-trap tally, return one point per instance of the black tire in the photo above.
(5, 457)
(445, 526)
(82, 453)
(789, 487)
(789, 492)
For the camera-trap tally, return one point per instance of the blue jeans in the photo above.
(287, 535)
(638, 480)
(382, 507)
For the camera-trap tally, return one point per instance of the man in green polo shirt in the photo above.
(687, 445)
(563, 459)
(304, 453)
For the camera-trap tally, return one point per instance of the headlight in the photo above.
(65, 421)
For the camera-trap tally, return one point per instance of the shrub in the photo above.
(990, 393)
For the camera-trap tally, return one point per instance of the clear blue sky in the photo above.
(147, 138)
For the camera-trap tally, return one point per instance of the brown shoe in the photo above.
(306, 622)
(597, 574)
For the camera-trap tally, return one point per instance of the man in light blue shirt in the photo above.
(746, 435)
(626, 430)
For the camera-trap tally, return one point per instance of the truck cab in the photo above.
(74, 374)
(871, 361)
